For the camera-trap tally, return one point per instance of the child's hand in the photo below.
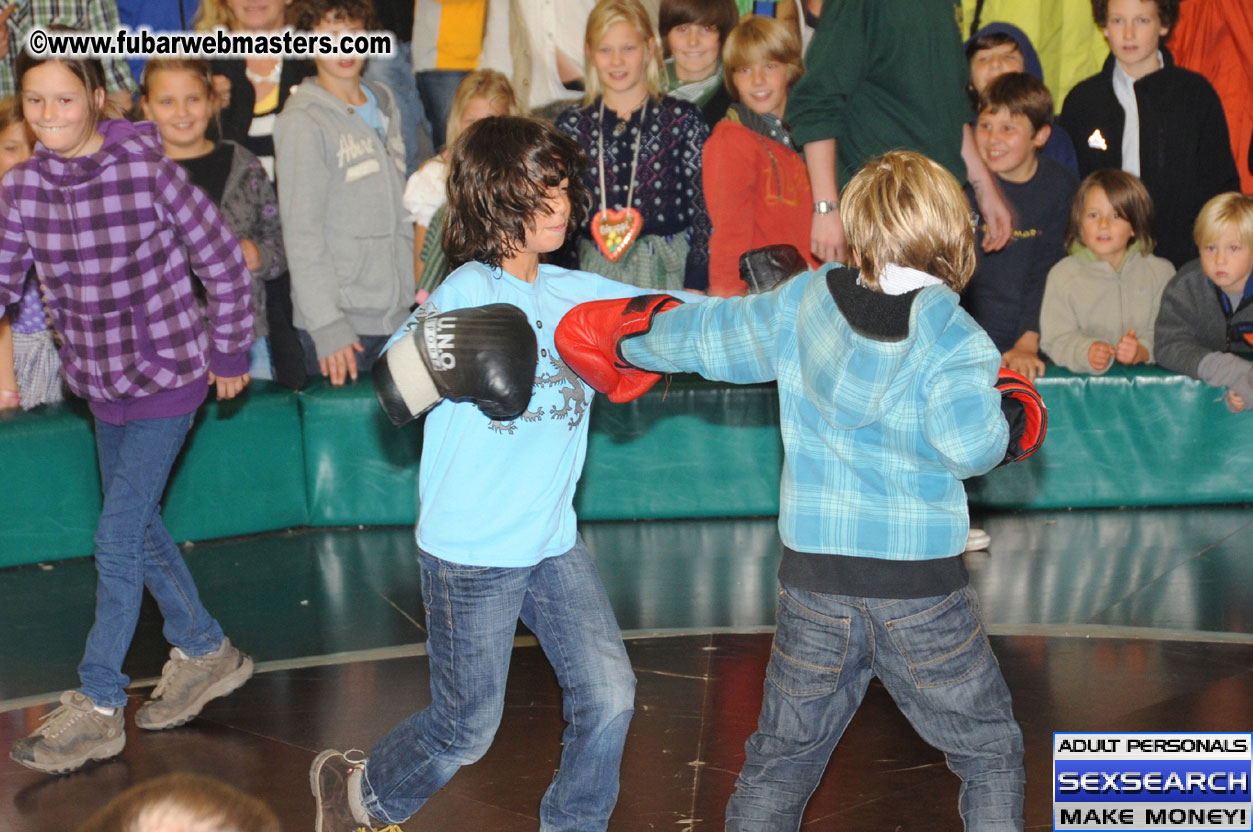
(228, 387)
(1130, 350)
(341, 364)
(9, 399)
(1023, 361)
(1235, 402)
(1099, 355)
(252, 254)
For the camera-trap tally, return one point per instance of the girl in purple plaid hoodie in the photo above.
(114, 230)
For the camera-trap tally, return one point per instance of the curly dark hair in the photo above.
(305, 14)
(1167, 12)
(501, 172)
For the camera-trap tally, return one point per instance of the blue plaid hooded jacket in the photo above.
(879, 425)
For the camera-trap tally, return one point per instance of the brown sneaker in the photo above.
(189, 682)
(70, 736)
(330, 779)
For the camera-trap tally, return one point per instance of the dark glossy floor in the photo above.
(1105, 620)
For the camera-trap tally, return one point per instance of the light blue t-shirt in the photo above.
(371, 114)
(501, 493)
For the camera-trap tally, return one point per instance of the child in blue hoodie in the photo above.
(887, 391)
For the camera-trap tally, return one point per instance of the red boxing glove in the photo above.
(1025, 412)
(589, 336)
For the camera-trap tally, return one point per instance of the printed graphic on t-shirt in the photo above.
(557, 393)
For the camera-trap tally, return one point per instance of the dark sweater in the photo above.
(236, 118)
(1185, 152)
(1005, 293)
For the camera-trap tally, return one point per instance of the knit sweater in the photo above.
(114, 236)
(668, 191)
(758, 195)
(1086, 300)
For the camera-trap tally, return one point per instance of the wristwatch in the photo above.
(825, 206)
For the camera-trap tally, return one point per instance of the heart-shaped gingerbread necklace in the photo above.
(615, 231)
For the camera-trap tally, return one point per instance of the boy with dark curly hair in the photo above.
(497, 536)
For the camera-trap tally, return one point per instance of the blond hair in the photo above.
(1231, 208)
(183, 801)
(757, 38)
(903, 208)
(211, 14)
(214, 13)
(482, 83)
(605, 14)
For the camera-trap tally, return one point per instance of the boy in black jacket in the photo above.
(1153, 119)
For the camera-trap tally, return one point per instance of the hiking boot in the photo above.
(336, 782)
(70, 736)
(189, 682)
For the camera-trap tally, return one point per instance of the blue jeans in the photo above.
(437, 88)
(397, 73)
(931, 654)
(260, 364)
(133, 550)
(471, 615)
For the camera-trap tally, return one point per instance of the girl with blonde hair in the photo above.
(482, 93)
(649, 223)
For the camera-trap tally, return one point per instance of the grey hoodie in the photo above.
(349, 246)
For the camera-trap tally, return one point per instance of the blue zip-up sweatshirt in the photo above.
(886, 403)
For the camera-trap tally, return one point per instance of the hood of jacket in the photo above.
(312, 95)
(1031, 59)
(123, 141)
(863, 348)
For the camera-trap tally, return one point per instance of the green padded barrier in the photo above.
(50, 482)
(328, 456)
(359, 468)
(1135, 436)
(240, 472)
(697, 450)
(242, 469)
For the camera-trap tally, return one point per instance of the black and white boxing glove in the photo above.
(485, 354)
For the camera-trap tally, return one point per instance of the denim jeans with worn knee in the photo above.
(471, 615)
(932, 655)
(133, 550)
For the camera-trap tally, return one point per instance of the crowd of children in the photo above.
(707, 133)
(265, 230)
